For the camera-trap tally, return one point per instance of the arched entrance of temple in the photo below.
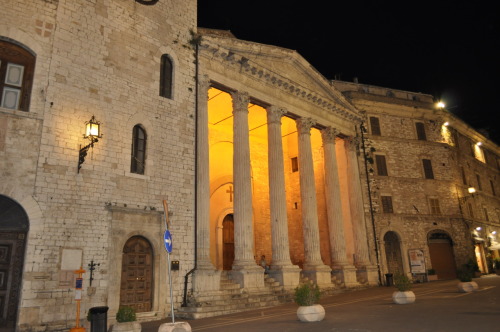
(393, 253)
(227, 242)
(14, 226)
(442, 256)
(137, 274)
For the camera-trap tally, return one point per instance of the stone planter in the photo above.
(126, 327)
(403, 297)
(466, 287)
(311, 313)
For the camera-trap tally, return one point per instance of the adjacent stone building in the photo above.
(258, 159)
(423, 163)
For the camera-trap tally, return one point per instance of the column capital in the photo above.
(329, 134)
(352, 142)
(240, 101)
(304, 125)
(275, 113)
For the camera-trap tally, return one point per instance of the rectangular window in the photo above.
(166, 76)
(420, 131)
(428, 173)
(381, 165)
(387, 204)
(464, 179)
(295, 165)
(471, 211)
(375, 126)
(478, 178)
(434, 205)
(492, 185)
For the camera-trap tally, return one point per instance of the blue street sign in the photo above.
(167, 238)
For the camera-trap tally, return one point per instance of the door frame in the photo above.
(152, 274)
(219, 240)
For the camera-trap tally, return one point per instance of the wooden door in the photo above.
(228, 242)
(137, 274)
(442, 257)
(393, 253)
(12, 246)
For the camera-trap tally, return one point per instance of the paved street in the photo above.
(439, 307)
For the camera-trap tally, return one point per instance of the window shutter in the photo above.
(375, 126)
(421, 131)
(428, 173)
(381, 165)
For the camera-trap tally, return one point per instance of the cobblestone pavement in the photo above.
(439, 307)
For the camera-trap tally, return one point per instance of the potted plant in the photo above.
(431, 275)
(126, 320)
(403, 295)
(307, 296)
(466, 284)
(473, 267)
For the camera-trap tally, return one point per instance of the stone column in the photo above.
(343, 271)
(366, 271)
(314, 268)
(206, 278)
(282, 269)
(245, 270)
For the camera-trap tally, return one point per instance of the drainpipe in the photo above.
(186, 277)
(362, 129)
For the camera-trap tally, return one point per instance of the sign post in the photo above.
(167, 239)
(78, 298)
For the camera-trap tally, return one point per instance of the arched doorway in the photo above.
(228, 242)
(137, 274)
(393, 253)
(14, 226)
(442, 256)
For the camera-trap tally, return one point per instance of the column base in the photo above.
(287, 275)
(368, 275)
(319, 274)
(250, 278)
(346, 275)
(206, 280)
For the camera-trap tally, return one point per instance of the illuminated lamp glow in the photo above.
(441, 104)
(471, 190)
(446, 124)
(478, 228)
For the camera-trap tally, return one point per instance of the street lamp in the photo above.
(92, 133)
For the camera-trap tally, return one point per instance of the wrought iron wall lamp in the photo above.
(93, 133)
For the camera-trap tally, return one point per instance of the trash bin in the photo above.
(98, 319)
(388, 279)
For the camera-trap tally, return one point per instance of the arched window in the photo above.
(166, 76)
(138, 150)
(17, 65)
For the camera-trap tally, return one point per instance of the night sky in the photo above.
(448, 49)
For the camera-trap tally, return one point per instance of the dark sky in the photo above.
(448, 49)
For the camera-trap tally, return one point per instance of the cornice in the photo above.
(245, 66)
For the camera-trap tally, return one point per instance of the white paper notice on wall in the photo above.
(71, 259)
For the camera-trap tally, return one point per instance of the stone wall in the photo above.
(99, 58)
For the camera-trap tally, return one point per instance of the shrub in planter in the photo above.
(126, 321)
(464, 275)
(404, 295)
(402, 282)
(125, 314)
(307, 296)
(466, 284)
